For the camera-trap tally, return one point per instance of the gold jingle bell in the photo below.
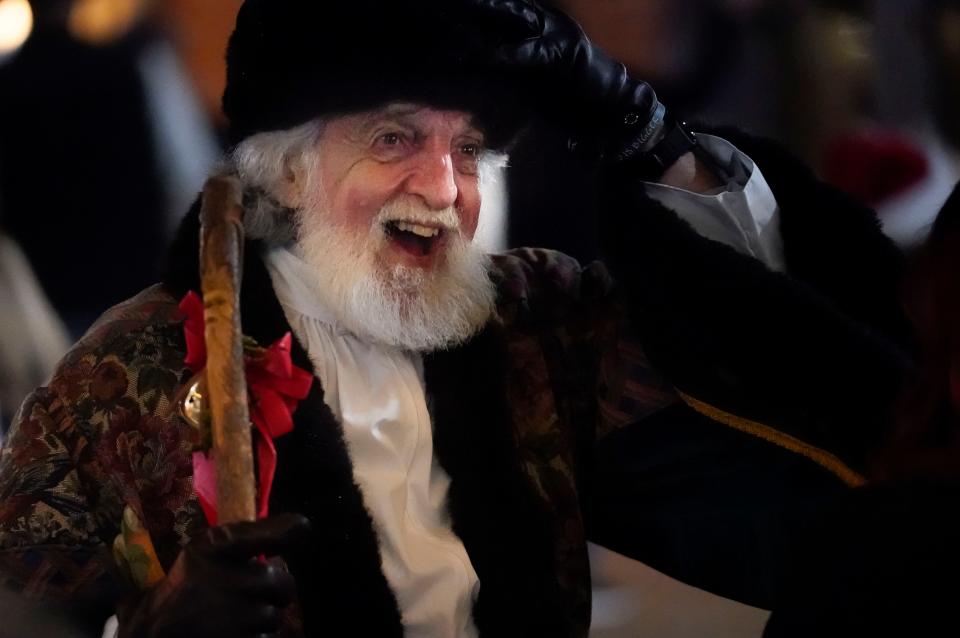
(192, 403)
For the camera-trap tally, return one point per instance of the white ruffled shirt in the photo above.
(377, 392)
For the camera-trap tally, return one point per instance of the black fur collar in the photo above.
(504, 527)
(343, 591)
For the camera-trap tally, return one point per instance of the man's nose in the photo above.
(432, 179)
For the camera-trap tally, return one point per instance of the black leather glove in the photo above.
(580, 83)
(217, 587)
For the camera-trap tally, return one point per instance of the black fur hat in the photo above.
(291, 60)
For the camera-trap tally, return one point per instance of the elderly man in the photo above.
(474, 418)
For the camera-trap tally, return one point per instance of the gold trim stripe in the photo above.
(821, 457)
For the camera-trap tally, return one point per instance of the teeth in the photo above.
(417, 229)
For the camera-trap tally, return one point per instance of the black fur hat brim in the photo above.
(290, 61)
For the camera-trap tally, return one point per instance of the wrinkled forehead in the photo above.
(420, 117)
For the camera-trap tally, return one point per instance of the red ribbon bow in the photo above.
(275, 387)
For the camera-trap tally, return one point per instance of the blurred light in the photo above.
(16, 23)
(100, 22)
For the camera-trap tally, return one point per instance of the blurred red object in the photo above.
(926, 436)
(873, 165)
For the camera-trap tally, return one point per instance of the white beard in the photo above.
(398, 305)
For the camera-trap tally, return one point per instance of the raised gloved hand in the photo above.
(591, 91)
(217, 587)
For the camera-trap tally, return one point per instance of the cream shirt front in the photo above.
(377, 393)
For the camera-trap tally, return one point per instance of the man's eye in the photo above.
(472, 150)
(392, 144)
(391, 139)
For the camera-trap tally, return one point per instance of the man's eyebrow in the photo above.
(402, 114)
(393, 112)
(476, 128)
(400, 110)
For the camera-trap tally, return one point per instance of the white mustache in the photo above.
(414, 212)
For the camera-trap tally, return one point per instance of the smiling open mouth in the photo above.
(416, 239)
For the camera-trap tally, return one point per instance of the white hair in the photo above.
(264, 162)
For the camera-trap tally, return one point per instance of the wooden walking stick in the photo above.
(221, 265)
